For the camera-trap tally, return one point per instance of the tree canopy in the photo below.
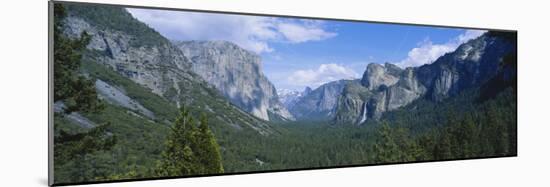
(191, 148)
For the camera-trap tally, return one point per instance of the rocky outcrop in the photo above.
(385, 88)
(319, 103)
(117, 96)
(406, 90)
(150, 66)
(237, 74)
(377, 75)
(142, 55)
(289, 97)
(74, 117)
(351, 104)
(470, 65)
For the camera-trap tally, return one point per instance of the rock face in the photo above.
(137, 63)
(382, 88)
(289, 97)
(468, 66)
(116, 96)
(319, 103)
(237, 74)
(142, 55)
(377, 75)
(388, 87)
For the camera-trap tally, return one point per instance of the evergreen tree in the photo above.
(467, 137)
(73, 149)
(443, 149)
(191, 149)
(386, 149)
(79, 95)
(70, 146)
(498, 133)
(211, 156)
(77, 92)
(427, 143)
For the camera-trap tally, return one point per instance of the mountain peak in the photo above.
(377, 75)
(388, 87)
(289, 97)
(307, 90)
(237, 74)
(319, 103)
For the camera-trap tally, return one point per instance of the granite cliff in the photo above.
(388, 87)
(237, 74)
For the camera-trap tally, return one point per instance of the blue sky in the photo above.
(301, 52)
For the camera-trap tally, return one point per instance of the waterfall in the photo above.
(363, 114)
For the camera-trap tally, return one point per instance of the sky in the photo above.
(304, 52)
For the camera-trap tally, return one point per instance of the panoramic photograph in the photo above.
(141, 93)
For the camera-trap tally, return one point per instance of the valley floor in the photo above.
(478, 130)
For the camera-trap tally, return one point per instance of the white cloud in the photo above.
(298, 33)
(469, 34)
(323, 74)
(427, 52)
(250, 32)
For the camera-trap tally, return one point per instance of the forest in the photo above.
(480, 122)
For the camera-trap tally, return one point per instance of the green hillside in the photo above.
(116, 141)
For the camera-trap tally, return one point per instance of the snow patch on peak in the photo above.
(289, 97)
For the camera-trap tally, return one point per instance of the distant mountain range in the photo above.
(386, 87)
(289, 97)
(320, 103)
(187, 72)
(463, 105)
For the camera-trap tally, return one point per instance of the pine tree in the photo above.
(77, 92)
(427, 144)
(498, 132)
(191, 149)
(386, 148)
(443, 149)
(79, 95)
(75, 149)
(211, 156)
